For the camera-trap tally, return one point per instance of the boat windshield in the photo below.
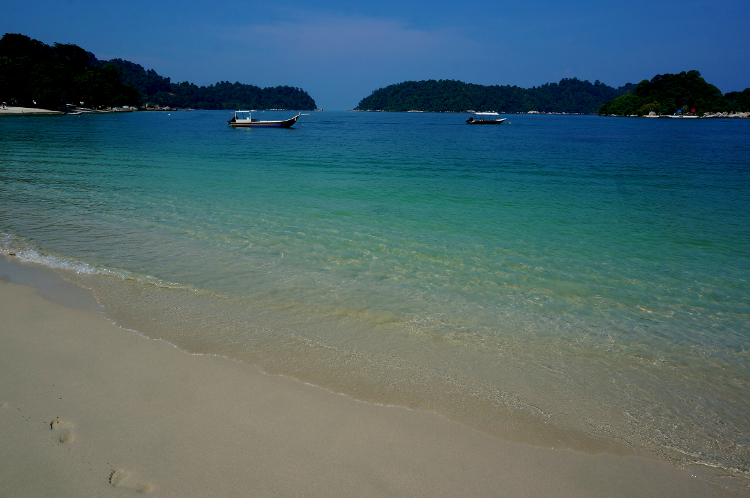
(243, 114)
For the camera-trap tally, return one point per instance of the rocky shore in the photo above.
(730, 115)
(727, 115)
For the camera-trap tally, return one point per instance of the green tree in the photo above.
(684, 91)
(739, 101)
(37, 75)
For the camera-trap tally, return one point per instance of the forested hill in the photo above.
(159, 90)
(571, 95)
(686, 92)
(33, 74)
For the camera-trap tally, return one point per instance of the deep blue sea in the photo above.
(568, 281)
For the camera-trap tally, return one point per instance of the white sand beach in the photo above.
(91, 409)
(9, 110)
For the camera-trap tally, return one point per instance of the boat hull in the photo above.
(485, 121)
(287, 123)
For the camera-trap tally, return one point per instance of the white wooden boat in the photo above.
(485, 118)
(244, 119)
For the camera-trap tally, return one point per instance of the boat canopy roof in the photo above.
(486, 113)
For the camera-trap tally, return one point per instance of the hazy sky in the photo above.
(340, 52)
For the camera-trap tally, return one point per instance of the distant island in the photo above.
(685, 93)
(571, 95)
(33, 74)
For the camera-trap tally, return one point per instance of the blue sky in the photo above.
(340, 52)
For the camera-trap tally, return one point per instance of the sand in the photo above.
(25, 110)
(90, 409)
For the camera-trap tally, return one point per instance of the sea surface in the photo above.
(566, 281)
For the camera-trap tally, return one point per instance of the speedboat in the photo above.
(244, 119)
(489, 118)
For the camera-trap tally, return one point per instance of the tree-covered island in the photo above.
(664, 94)
(33, 74)
(570, 95)
(686, 92)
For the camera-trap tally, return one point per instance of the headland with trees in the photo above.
(159, 91)
(685, 93)
(33, 74)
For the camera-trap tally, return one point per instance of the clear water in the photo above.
(560, 280)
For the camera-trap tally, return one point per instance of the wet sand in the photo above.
(90, 409)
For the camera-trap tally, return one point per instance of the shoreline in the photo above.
(87, 405)
(10, 111)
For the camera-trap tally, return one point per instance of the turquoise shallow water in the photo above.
(561, 280)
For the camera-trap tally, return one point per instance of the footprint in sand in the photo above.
(122, 478)
(65, 429)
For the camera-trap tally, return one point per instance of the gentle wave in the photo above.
(562, 281)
